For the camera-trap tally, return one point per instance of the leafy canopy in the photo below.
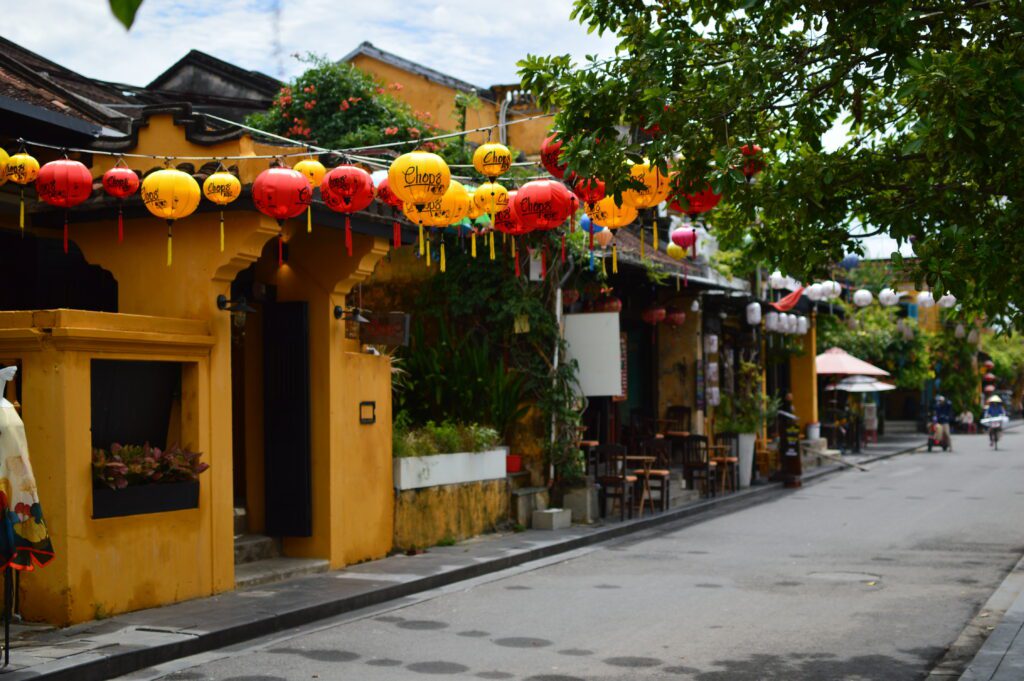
(930, 94)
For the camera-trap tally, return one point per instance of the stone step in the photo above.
(518, 480)
(250, 548)
(277, 569)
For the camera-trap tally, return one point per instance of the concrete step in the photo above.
(519, 480)
(276, 570)
(250, 548)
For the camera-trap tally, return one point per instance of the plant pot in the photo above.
(140, 499)
(745, 445)
(513, 463)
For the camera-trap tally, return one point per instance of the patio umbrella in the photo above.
(838, 362)
(861, 384)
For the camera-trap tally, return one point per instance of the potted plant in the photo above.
(136, 479)
(744, 413)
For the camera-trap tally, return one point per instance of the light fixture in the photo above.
(352, 314)
(238, 308)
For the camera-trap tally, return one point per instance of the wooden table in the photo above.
(646, 463)
(726, 462)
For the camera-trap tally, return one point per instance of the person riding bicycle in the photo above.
(994, 409)
(943, 418)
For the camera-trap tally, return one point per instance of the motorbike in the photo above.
(994, 424)
(936, 436)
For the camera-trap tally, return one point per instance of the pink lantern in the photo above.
(685, 237)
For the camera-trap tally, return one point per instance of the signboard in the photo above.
(594, 342)
(385, 328)
(624, 370)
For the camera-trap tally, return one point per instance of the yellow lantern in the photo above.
(222, 188)
(607, 213)
(314, 171)
(475, 211)
(3, 167)
(170, 194)
(656, 189)
(22, 169)
(447, 210)
(419, 177)
(675, 251)
(491, 198)
(492, 159)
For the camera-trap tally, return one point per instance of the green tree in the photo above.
(929, 94)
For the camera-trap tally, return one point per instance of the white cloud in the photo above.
(476, 42)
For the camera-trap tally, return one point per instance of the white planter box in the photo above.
(416, 472)
(746, 444)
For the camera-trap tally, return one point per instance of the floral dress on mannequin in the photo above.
(24, 539)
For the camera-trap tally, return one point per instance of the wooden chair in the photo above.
(659, 474)
(614, 479)
(678, 418)
(697, 466)
(728, 459)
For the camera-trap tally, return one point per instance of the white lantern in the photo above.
(777, 281)
(814, 292)
(973, 337)
(959, 331)
(790, 323)
(832, 290)
(862, 298)
(925, 299)
(803, 325)
(771, 321)
(696, 306)
(754, 314)
(888, 297)
(947, 301)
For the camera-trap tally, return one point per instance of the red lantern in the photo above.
(388, 198)
(541, 205)
(589, 190)
(990, 388)
(653, 315)
(989, 378)
(698, 203)
(550, 152)
(675, 317)
(120, 182)
(989, 364)
(570, 296)
(281, 193)
(753, 160)
(347, 189)
(64, 184)
(609, 304)
(506, 220)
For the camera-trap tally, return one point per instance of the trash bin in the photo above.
(813, 431)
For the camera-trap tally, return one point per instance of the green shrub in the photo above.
(447, 437)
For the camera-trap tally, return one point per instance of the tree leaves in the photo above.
(125, 11)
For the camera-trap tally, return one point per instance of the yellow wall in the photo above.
(803, 377)
(425, 517)
(677, 363)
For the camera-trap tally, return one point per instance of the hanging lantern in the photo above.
(120, 182)
(21, 169)
(64, 184)
(347, 189)
(607, 213)
(281, 193)
(771, 322)
(492, 159)
(888, 297)
(3, 166)
(973, 337)
(697, 203)
(989, 378)
(815, 292)
(990, 388)
(753, 160)
(656, 186)
(505, 220)
(222, 188)
(604, 237)
(388, 198)
(947, 301)
(419, 177)
(541, 205)
(685, 238)
(313, 170)
(675, 251)
(862, 298)
(695, 306)
(776, 280)
(925, 299)
(988, 365)
(833, 289)
(491, 198)
(170, 194)
(803, 325)
(754, 314)
(675, 317)
(654, 315)
(550, 153)
(609, 304)
(589, 191)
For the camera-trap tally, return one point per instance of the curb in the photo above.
(99, 666)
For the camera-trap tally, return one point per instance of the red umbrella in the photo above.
(836, 361)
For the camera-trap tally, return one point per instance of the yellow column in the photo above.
(803, 378)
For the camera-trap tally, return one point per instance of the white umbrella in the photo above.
(861, 384)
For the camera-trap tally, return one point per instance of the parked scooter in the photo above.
(937, 435)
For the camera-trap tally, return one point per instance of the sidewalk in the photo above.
(1001, 658)
(113, 647)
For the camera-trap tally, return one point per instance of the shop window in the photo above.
(135, 402)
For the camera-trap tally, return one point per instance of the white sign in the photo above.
(592, 339)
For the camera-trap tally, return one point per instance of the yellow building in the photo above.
(293, 419)
(432, 94)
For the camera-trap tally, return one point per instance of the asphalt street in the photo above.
(865, 576)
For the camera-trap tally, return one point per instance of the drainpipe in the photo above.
(555, 360)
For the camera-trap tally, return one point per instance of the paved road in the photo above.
(864, 576)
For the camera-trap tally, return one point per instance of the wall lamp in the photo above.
(238, 309)
(352, 314)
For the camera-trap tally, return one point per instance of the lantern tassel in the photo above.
(642, 244)
(397, 229)
(591, 236)
(591, 261)
(120, 223)
(421, 241)
(615, 260)
(515, 257)
(442, 258)
(222, 231)
(604, 270)
(544, 262)
(472, 244)
(309, 220)
(492, 245)
(21, 213)
(65, 232)
(170, 243)
(563, 248)
(654, 234)
(572, 223)
(348, 235)
(429, 255)
(677, 283)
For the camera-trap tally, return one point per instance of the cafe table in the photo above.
(646, 463)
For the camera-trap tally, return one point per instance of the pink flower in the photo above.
(396, 86)
(413, 132)
(310, 104)
(391, 131)
(344, 105)
(380, 90)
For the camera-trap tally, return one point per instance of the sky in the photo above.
(479, 42)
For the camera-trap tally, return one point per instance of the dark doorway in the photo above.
(47, 278)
